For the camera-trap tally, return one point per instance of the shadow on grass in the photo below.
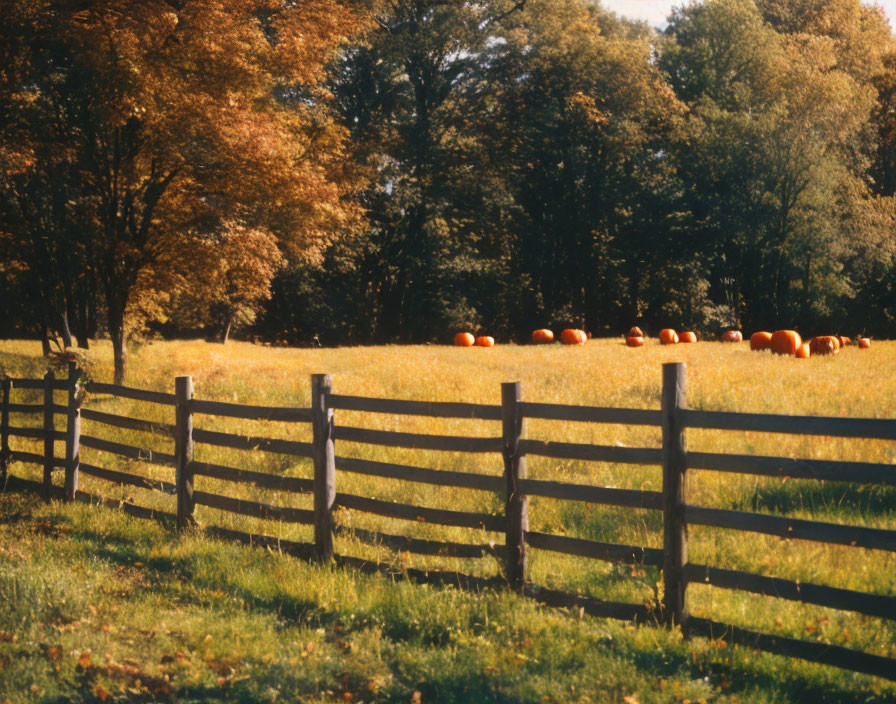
(463, 685)
(831, 498)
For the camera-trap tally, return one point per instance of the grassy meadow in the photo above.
(184, 618)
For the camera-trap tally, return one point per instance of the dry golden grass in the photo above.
(603, 373)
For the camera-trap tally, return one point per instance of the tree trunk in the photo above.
(119, 342)
(45, 339)
(119, 353)
(64, 330)
(226, 334)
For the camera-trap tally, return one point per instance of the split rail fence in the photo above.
(514, 487)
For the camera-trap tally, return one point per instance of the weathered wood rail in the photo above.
(513, 486)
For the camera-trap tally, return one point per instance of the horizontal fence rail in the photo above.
(593, 453)
(133, 394)
(111, 475)
(58, 385)
(512, 487)
(407, 512)
(144, 426)
(827, 470)
(417, 441)
(872, 428)
(232, 410)
(434, 409)
(129, 451)
(794, 528)
(843, 599)
(630, 498)
(262, 480)
(590, 414)
(436, 477)
(248, 442)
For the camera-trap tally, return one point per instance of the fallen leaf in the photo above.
(84, 660)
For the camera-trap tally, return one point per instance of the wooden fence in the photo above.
(514, 487)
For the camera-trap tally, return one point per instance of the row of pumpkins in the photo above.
(570, 336)
(789, 343)
(786, 342)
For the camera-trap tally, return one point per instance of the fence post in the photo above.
(49, 433)
(675, 536)
(72, 434)
(517, 506)
(5, 453)
(183, 450)
(324, 465)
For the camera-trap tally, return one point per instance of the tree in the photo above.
(771, 153)
(171, 124)
(578, 131)
(405, 93)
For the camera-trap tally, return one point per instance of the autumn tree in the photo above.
(149, 131)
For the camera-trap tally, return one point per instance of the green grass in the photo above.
(60, 563)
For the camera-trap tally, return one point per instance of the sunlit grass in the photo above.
(603, 373)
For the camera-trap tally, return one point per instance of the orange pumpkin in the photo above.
(804, 352)
(760, 341)
(864, 343)
(824, 344)
(464, 339)
(634, 341)
(636, 332)
(542, 337)
(687, 337)
(572, 336)
(785, 342)
(485, 341)
(732, 336)
(668, 336)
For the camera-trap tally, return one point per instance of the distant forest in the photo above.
(371, 171)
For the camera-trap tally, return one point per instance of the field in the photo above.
(183, 617)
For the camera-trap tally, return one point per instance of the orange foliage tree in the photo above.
(143, 134)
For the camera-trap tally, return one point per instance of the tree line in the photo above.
(362, 171)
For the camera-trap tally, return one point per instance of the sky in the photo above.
(656, 11)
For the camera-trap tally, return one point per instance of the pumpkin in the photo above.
(636, 332)
(785, 342)
(634, 341)
(687, 337)
(464, 339)
(864, 343)
(824, 344)
(760, 341)
(804, 352)
(732, 336)
(668, 336)
(542, 337)
(572, 336)
(844, 340)
(485, 341)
